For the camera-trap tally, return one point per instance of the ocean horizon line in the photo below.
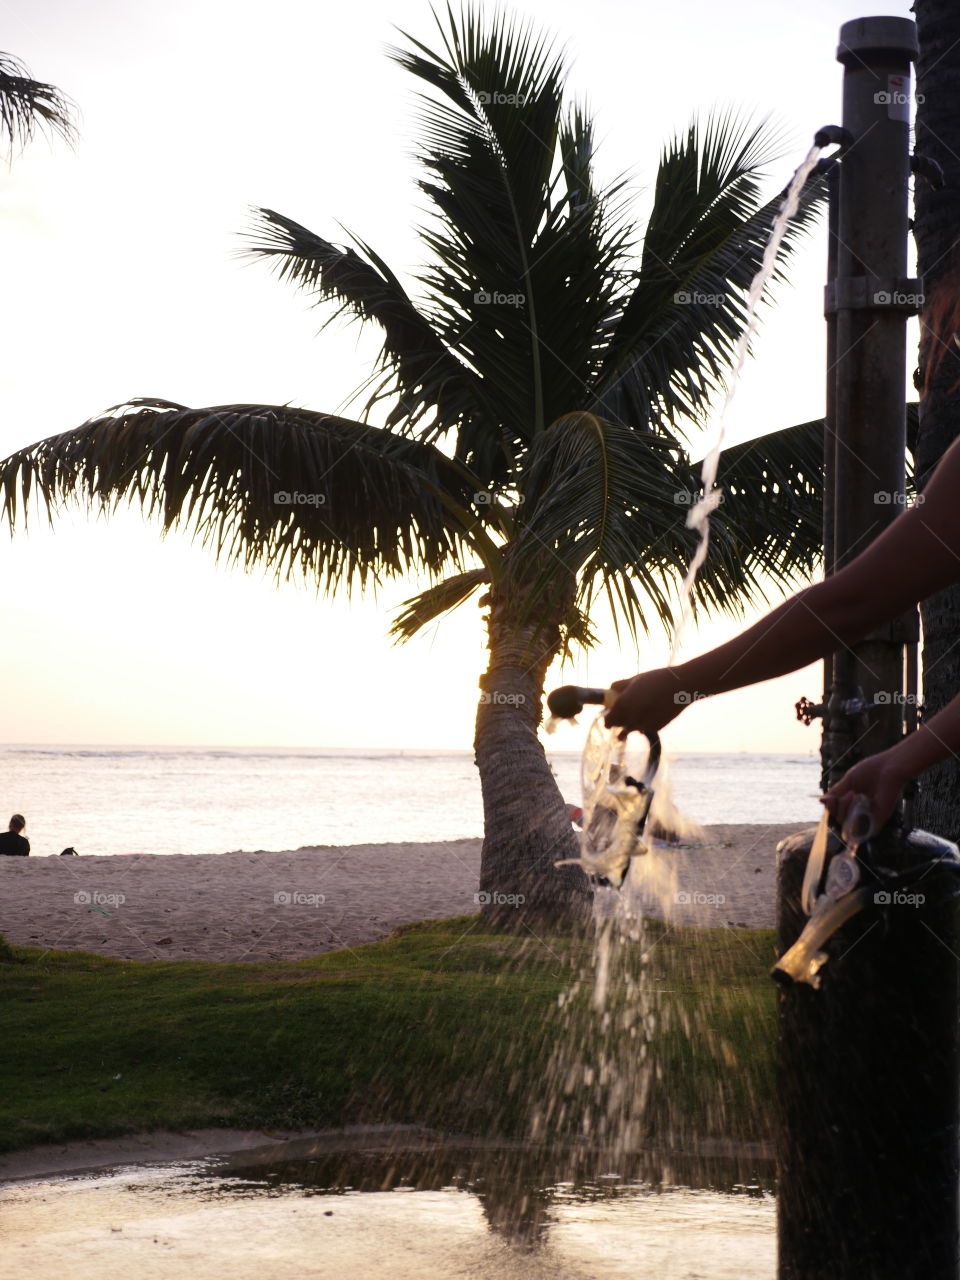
(186, 748)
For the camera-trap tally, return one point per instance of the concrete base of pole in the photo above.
(869, 1086)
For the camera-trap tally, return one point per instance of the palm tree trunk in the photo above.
(937, 231)
(526, 825)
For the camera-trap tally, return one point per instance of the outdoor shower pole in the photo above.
(830, 747)
(867, 1146)
(871, 302)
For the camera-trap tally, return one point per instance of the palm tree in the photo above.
(534, 390)
(27, 105)
(938, 260)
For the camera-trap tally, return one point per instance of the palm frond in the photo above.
(422, 376)
(292, 490)
(599, 504)
(489, 137)
(27, 105)
(609, 504)
(576, 632)
(772, 510)
(771, 516)
(525, 250)
(803, 435)
(435, 601)
(704, 243)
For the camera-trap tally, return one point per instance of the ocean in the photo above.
(122, 800)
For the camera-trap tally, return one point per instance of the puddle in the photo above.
(477, 1212)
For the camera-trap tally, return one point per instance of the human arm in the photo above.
(916, 555)
(880, 778)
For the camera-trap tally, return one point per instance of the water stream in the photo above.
(618, 1024)
(699, 515)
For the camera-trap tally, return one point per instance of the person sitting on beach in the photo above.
(12, 843)
(917, 555)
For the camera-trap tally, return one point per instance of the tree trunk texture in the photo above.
(526, 825)
(937, 232)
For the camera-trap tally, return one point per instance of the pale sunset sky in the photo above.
(120, 279)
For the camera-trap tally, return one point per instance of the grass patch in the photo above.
(442, 1024)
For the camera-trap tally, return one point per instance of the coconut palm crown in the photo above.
(534, 391)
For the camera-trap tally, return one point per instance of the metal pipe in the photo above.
(872, 299)
(830, 405)
(830, 750)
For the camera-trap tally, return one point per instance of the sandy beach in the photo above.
(298, 903)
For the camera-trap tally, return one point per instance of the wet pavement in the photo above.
(483, 1212)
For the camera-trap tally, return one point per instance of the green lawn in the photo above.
(443, 1025)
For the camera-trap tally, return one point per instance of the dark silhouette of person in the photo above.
(12, 843)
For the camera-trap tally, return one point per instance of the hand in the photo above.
(647, 702)
(874, 786)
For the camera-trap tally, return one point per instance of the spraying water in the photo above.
(614, 843)
(699, 515)
(616, 1019)
(602, 750)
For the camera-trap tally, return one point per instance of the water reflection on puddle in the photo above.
(480, 1214)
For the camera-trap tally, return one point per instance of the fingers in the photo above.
(865, 797)
(646, 703)
(622, 716)
(853, 813)
(859, 823)
(616, 716)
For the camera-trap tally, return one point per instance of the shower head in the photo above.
(569, 700)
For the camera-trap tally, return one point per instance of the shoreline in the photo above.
(292, 904)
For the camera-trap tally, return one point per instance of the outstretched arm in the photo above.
(916, 555)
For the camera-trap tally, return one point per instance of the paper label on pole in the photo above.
(897, 98)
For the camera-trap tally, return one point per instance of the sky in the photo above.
(120, 277)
